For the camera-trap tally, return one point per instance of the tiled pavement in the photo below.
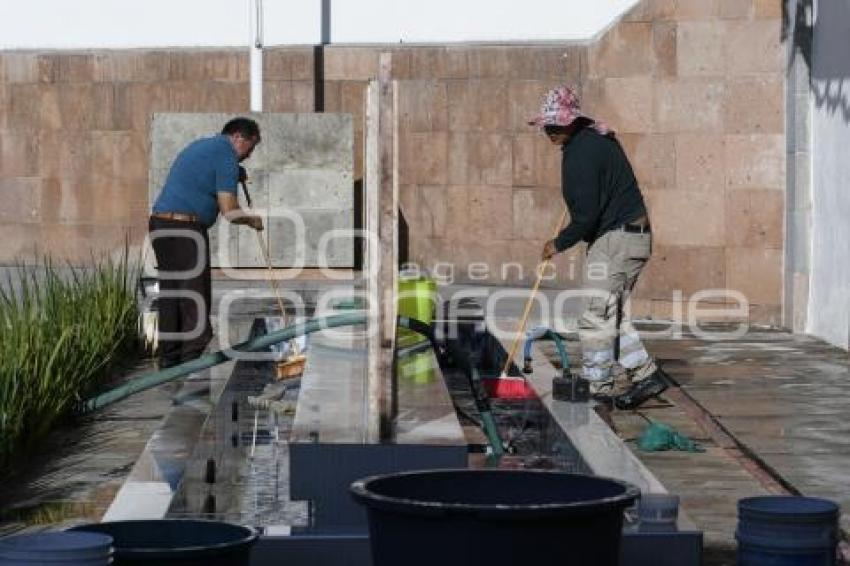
(784, 397)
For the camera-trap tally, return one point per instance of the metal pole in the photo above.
(255, 8)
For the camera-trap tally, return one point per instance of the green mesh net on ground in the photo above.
(659, 436)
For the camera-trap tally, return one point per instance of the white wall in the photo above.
(829, 299)
(89, 24)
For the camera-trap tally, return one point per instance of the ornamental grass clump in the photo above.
(60, 332)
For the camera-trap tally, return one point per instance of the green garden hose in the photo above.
(214, 358)
(259, 343)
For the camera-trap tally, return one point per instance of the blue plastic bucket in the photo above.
(787, 531)
(59, 548)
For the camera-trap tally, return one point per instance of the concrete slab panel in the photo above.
(309, 188)
(304, 233)
(249, 253)
(224, 244)
(305, 165)
(307, 141)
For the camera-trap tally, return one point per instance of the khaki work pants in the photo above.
(614, 262)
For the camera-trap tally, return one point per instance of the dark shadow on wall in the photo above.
(797, 27)
(820, 32)
(319, 59)
(359, 222)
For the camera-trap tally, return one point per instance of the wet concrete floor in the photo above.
(73, 477)
(783, 397)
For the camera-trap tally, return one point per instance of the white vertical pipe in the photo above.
(255, 8)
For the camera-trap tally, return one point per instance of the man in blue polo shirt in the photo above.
(201, 184)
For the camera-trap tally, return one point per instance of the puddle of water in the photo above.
(535, 440)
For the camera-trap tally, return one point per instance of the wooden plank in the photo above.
(427, 415)
(388, 242)
(601, 449)
(330, 403)
(381, 254)
(372, 259)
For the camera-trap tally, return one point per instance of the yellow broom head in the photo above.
(291, 367)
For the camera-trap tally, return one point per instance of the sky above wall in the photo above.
(92, 24)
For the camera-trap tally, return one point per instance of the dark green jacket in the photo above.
(599, 188)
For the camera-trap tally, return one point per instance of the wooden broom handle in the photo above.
(521, 330)
(272, 281)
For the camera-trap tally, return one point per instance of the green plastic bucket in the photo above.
(417, 298)
(418, 367)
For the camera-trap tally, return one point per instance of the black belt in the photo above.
(636, 228)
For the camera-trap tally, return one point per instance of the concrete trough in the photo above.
(306, 507)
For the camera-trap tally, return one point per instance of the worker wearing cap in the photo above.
(201, 184)
(607, 211)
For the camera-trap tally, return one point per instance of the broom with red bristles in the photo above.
(510, 387)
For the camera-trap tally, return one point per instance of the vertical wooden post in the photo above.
(388, 242)
(372, 259)
(381, 257)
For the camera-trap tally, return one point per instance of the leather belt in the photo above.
(636, 228)
(179, 216)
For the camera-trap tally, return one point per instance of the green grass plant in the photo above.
(46, 514)
(61, 330)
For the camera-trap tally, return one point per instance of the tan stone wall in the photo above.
(717, 99)
(695, 89)
(74, 140)
(479, 188)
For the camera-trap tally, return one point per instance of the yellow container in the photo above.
(418, 367)
(417, 299)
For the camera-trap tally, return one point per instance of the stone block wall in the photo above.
(695, 89)
(300, 182)
(715, 182)
(74, 140)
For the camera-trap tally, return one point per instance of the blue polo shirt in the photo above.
(205, 167)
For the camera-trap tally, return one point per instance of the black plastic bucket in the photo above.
(177, 542)
(59, 548)
(787, 531)
(494, 517)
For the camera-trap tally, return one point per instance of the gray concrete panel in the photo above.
(286, 240)
(310, 188)
(308, 141)
(304, 165)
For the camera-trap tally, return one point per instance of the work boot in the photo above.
(641, 391)
(601, 390)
